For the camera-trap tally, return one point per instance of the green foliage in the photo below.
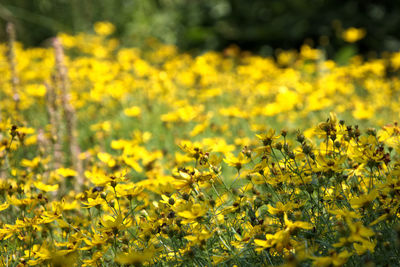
(213, 24)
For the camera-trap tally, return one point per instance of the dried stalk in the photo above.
(54, 117)
(12, 63)
(43, 148)
(69, 112)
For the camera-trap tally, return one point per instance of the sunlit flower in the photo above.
(104, 28)
(238, 161)
(353, 35)
(135, 258)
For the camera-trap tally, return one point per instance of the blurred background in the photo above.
(259, 26)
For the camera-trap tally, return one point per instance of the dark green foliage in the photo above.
(257, 25)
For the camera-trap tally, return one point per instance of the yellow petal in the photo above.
(46, 188)
(4, 206)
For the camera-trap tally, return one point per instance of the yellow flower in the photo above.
(238, 161)
(199, 128)
(280, 208)
(104, 28)
(352, 35)
(135, 258)
(359, 233)
(184, 178)
(193, 150)
(199, 238)
(66, 172)
(94, 261)
(132, 111)
(38, 90)
(54, 214)
(336, 259)
(63, 258)
(292, 226)
(44, 187)
(97, 202)
(114, 225)
(267, 243)
(4, 206)
(39, 252)
(106, 158)
(97, 177)
(95, 240)
(326, 164)
(195, 212)
(395, 60)
(31, 163)
(344, 213)
(364, 200)
(268, 137)
(363, 110)
(364, 246)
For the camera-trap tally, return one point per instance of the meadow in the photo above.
(113, 156)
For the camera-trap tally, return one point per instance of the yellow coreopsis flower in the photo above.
(111, 224)
(280, 208)
(267, 243)
(238, 161)
(359, 233)
(326, 164)
(97, 202)
(135, 258)
(268, 137)
(66, 172)
(199, 238)
(336, 259)
(39, 252)
(47, 188)
(195, 211)
(96, 257)
(106, 158)
(97, 177)
(292, 226)
(353, 35)
(364, 200)
(364, 246)
(132, 111)
(104, 28)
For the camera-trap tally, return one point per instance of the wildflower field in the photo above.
(113, 156)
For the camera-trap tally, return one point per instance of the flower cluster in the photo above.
(114, 156)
